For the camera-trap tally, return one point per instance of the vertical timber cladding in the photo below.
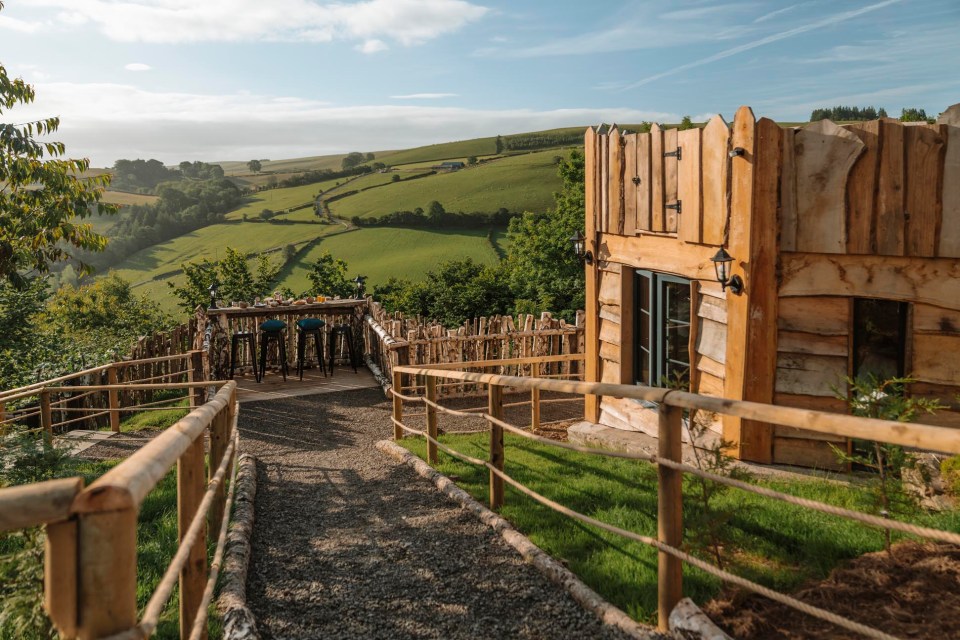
(751, 347)
(641, 177)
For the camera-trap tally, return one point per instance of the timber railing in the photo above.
(101, 396)
(393, 340)
(670, 468)
(90, 565)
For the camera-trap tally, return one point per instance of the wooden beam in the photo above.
(645, 186)
(933, 281)
(107, 554)
(760, 361)
(659, 253)
(627, 320)
(592, 190)
(741, 210)
(432, 431)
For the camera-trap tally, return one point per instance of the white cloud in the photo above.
(23, 26)
(425, 96)
(110, 121)
(372, 46)
(408, 22)
(137, 66)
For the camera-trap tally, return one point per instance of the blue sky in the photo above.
(237, 79)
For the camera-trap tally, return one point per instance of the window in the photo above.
(879, 337)
(662, 329)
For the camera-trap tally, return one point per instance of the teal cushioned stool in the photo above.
(307, 327)
(273, 330)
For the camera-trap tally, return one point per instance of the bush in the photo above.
(950, 473)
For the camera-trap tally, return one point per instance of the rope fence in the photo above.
(670, 472)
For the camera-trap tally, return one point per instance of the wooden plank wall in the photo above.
(874, 188)
(642, 176)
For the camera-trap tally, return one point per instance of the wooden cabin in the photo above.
(847, 242)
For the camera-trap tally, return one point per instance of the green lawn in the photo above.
(776, 544)
(382, 252)
(518, 183)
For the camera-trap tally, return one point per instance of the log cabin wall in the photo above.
(815, 218)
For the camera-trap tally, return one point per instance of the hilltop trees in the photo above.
(847, 113)
(254, 166)
(353, 159)
(42, 196)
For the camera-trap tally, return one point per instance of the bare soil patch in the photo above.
(913, 594)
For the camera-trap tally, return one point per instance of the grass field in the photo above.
(518, 183)
(776, 544)
(210, 242)
(124, 198)
(381, 252)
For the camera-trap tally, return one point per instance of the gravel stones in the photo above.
(348, 543)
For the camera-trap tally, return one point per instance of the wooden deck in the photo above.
(274, 388)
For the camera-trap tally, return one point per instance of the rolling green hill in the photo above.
(517, 183)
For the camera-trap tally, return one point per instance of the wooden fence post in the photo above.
(46, 415)
(113, 396)
(193, 577)
(669, 513)
(60, 576)
(535, 399)
(107, 551)
(495, 409)
(195, 374)
(219, 441)
(432, 430)
(397, 405)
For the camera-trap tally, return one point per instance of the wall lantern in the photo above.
(721, 262)
(214, 286)
(359, 282)
(579, 247)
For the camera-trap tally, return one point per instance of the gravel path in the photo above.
(350, 544)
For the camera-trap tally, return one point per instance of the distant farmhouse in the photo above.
(448, 166)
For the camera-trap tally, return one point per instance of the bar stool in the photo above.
(249, 339)
(345, 333)
(273, 330)
(307, 327)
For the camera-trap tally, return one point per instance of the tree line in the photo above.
(907, 114)
(144, 176)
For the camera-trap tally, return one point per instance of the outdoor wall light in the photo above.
(214, 286)
(579, 247)
(721, 262)
(359, 282)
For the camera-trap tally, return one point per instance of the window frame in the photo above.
(904, 330)
(656, 283)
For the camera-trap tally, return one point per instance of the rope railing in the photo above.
(670, 425)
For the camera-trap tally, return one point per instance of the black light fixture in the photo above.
(721, 262)
(359, 282)
(214, 286)
(580, 247)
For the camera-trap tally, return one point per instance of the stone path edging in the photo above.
(238, 621)
(553, 570)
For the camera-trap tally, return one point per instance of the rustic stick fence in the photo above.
(100, 396)
(670, 468)
(90, 563)
(395, 340)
